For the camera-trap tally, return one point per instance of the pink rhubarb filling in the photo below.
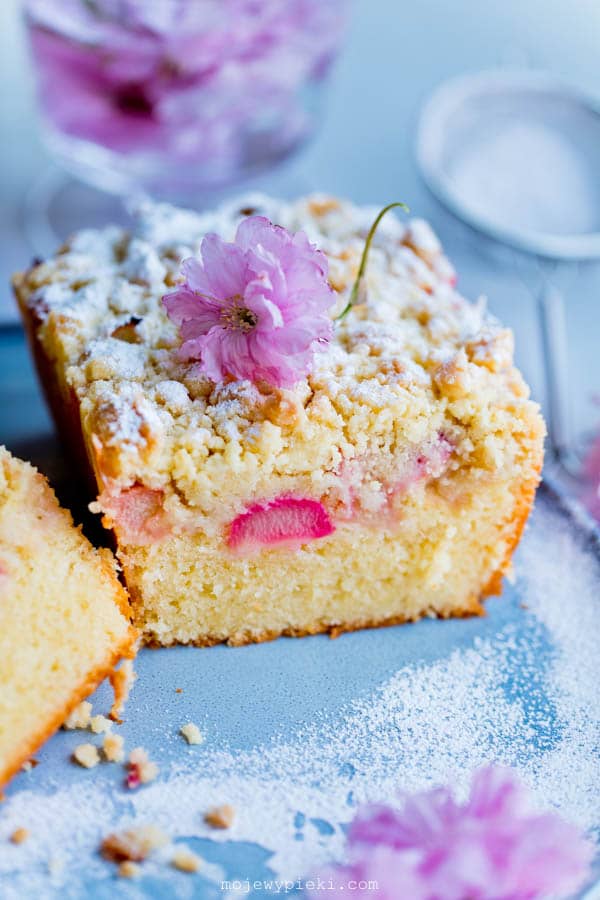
(137, 514)
(428, 464)
(285, 519)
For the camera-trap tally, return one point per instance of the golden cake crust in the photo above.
(26, 749)
(521, 514)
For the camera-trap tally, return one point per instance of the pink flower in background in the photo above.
(255, 309)
(196, 81)
(492, 847)
(590, 492)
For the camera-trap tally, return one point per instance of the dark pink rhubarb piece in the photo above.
(280, 520)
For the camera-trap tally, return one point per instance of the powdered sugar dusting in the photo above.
(524, 695)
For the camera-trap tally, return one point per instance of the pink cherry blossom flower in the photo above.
(255, 309)
(492, 847)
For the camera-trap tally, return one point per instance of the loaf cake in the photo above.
(278, 448)
(64, 616)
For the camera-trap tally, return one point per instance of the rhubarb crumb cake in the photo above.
(64, 617)
(285, 436)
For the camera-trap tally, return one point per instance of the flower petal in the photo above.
(195, 277)
(257, 231)
(183, 305)
(224, 267)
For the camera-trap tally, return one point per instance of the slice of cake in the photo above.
(287, 437)
(64, 616)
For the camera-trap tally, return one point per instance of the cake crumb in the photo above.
(121, 680)
(112, 747)
(179, 690)
(191, 733)
(185, 860)
(141, 769)
(100, 724)
(56, 866)
(86, 755)
(220, 816)
(133, 845)
(80, 717)
(30, 764)
(19, 835)
(129, 869)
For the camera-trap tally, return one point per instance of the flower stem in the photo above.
(354, 293)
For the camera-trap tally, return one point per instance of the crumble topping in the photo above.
(399, 371)
(55, 866)
(113, 748)
(121, 680)
(141, 769)
(100, 724)
(129, 869)
(86, 755)
(191, 733)
(221, 816)
(133, 845)
(79, 718)
(19, 835)
(185, 860)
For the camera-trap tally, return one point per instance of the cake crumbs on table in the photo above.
(191, 733)
(56, 866)
(134, 844)
(121, 680)
(185, 860)
(179, 690)
(30, 764)
(19, 835)
(140, 769)
(100, 724)
(86, 755)
(220, 816)
(79, 718)
(129, 869)
(113, 748)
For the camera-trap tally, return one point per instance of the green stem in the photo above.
(363, 260)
